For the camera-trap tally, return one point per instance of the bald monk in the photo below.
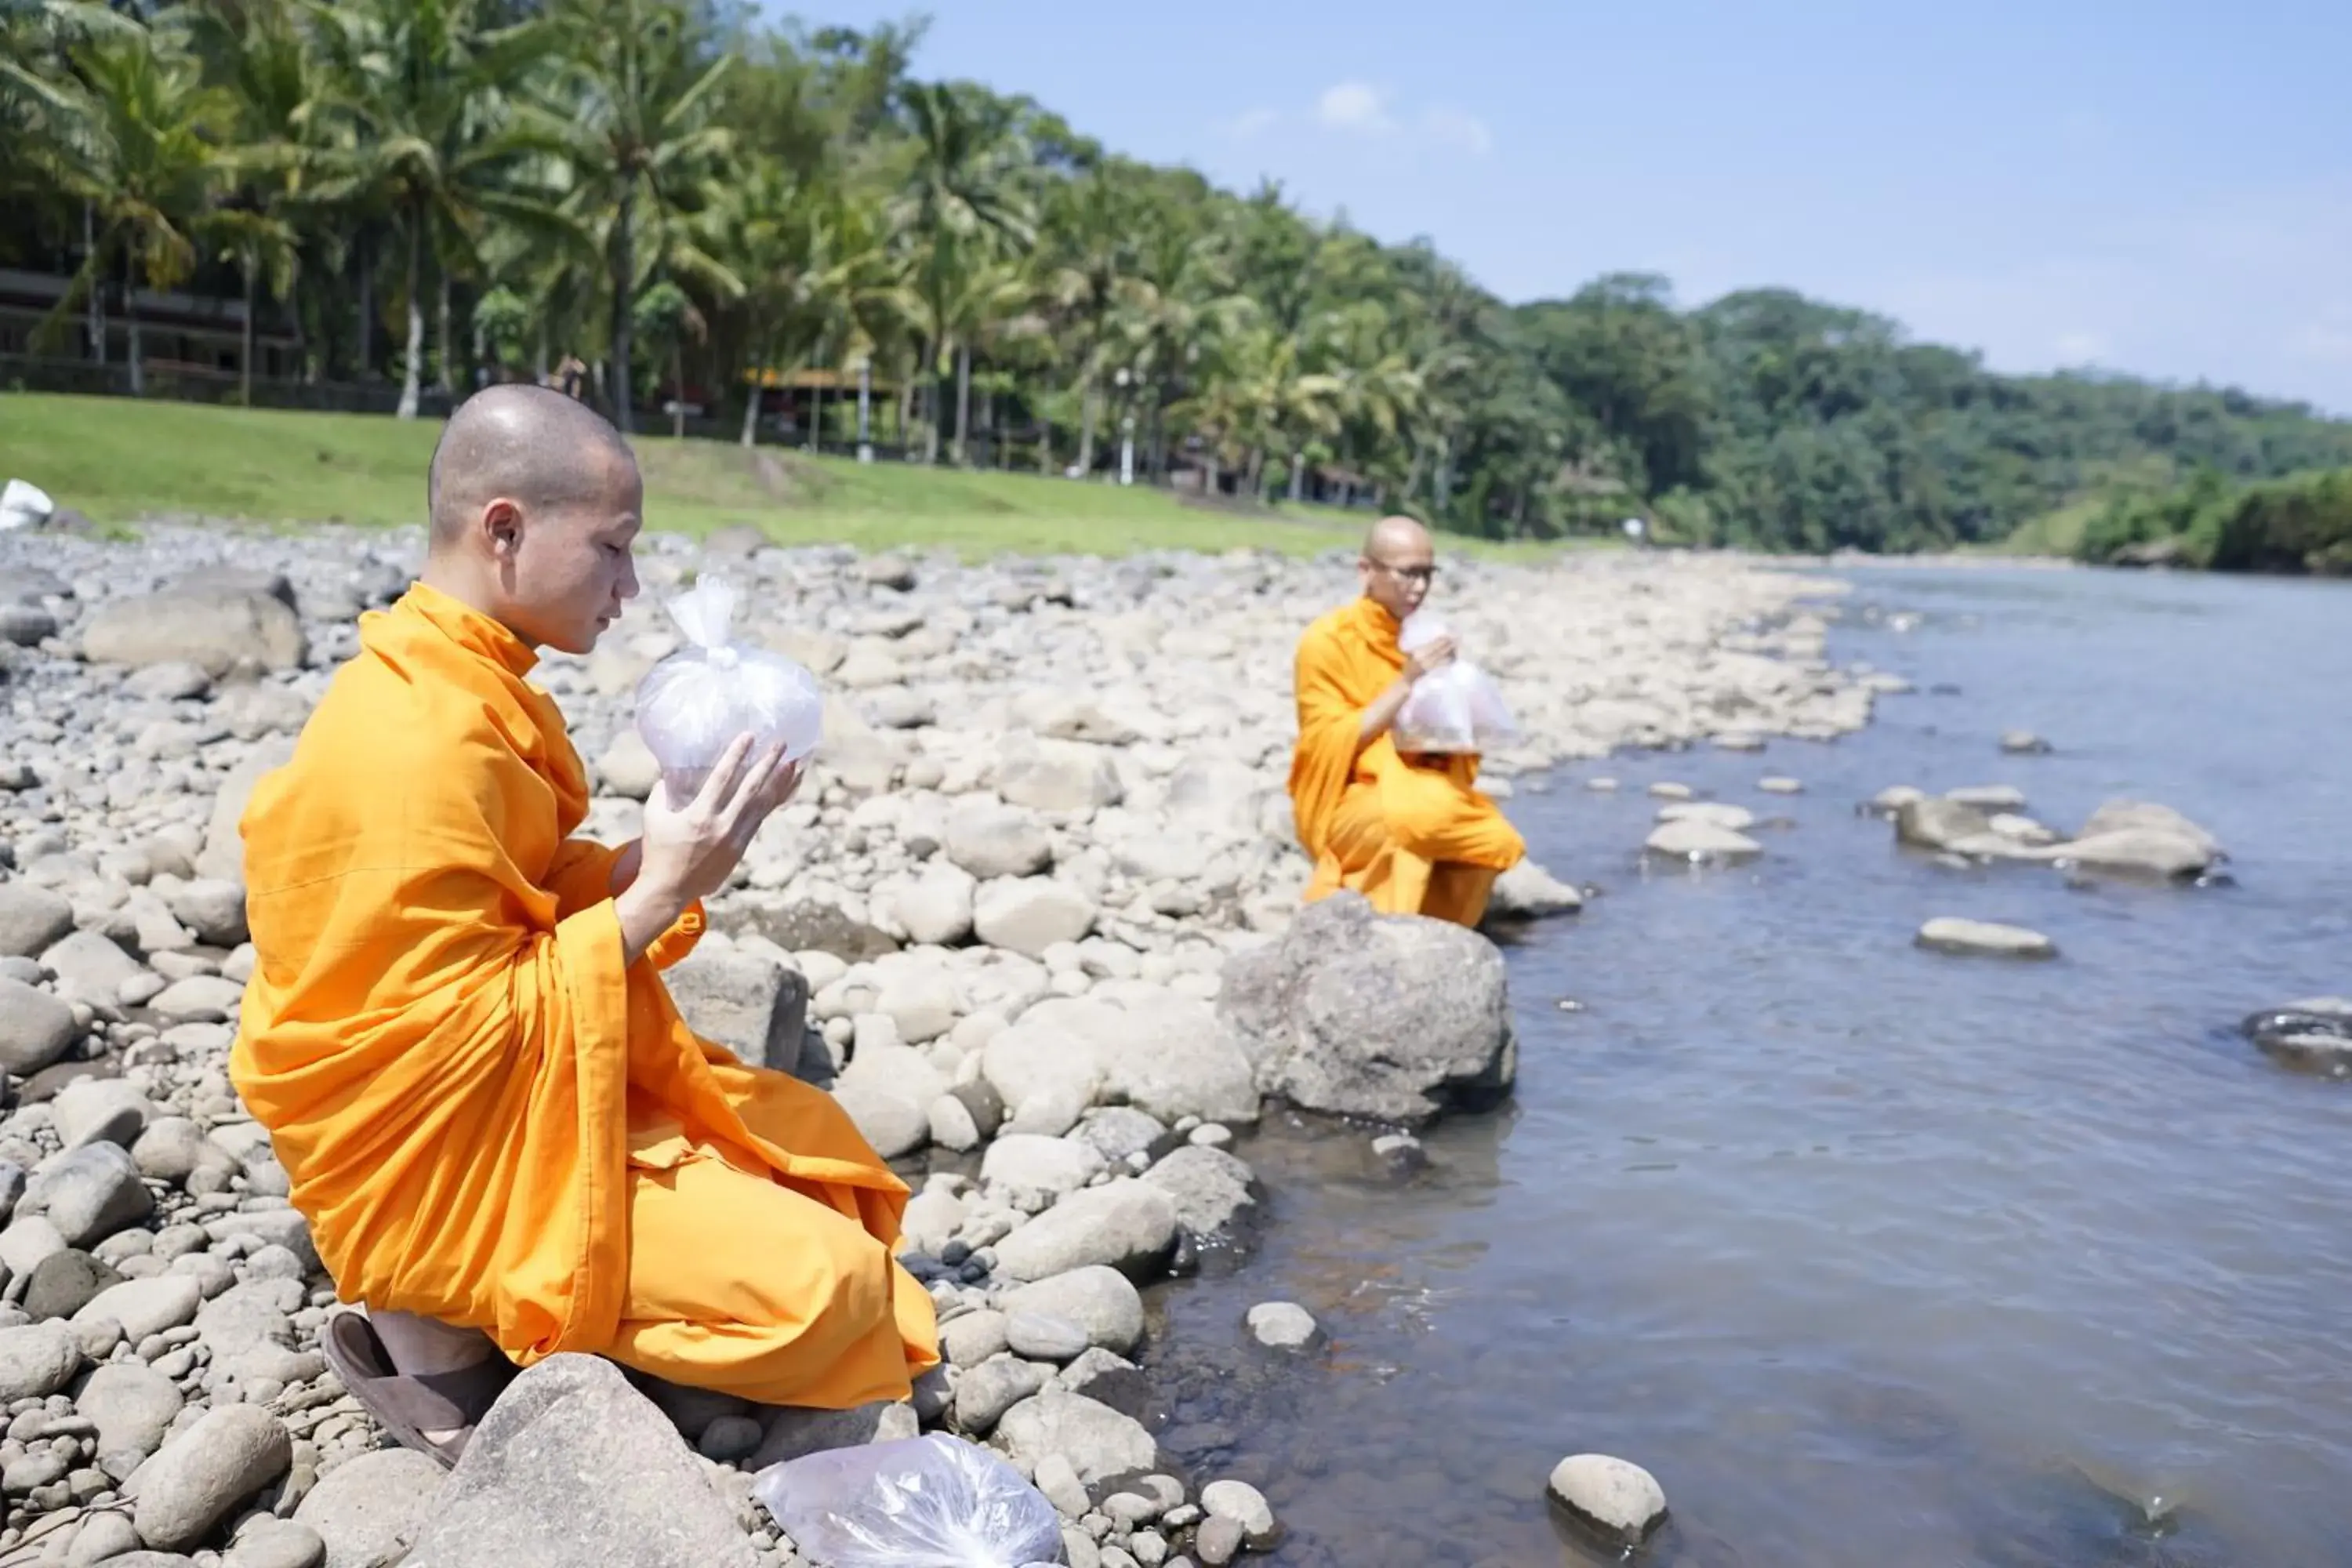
(1409, 833)
(505, 1141)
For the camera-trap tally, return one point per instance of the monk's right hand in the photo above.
(1431, 656)
(689, 851)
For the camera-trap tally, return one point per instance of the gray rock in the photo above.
(743, 1000)
(1950, 934)
(1283, 1325)
(973, 1337)
(952, 1124)
(217, 630)
(101, 1110)
(1218, 1540)
(31, 919)
(985, 1393)
(1173, 1059)
(2133, 839)
(1527, 892)
(1393, 1017)
(1927, 822)
(369, 1509)
(65, 1281)
(171, 681)
(2023, 743)
(91, 969)
(92, 1193)
(223, 855)
(1055, 776)
(1115, 1131)
(1097, 1441)
(173, 1148)
(1245, 1506)
(104, 1537)
(1044, 1336)
(1210, 1188)
(28, 1242)
(989, 838)
(36, 1028)
(199, 999)
(1029, 914)
(731, 1439)
(1700, 842)
(792, 1432)
(893, 1125)
(1032, 1172)
(1101, 1299)
(1123, 1224)
(36, 1359)
(1058, 1479)
(212, 909)
(275, 1543)
(144, 1307)
(936, 907)
(248, 1316)
(224, 1457)
(571, 1465)
(131, 1404)
(1620, 1500)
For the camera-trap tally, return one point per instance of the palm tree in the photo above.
(633, 113)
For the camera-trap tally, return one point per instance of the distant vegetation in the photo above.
(2300, 524)
(431, 192)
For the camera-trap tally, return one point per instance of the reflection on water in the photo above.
(1872, 1255)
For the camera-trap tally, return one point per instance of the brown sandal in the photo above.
(409, 1406)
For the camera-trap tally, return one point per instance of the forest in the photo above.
(693, 202)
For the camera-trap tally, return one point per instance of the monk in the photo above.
(1409, 833)
(505, 1141)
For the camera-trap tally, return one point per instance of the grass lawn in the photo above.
(120, 461)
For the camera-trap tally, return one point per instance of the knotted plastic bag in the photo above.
(1456, 709)
(692, 705)
(933, 1501)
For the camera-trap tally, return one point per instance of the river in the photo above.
(1871, 1256)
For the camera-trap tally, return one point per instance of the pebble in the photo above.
(1282, 1325)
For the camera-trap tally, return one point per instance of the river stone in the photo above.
(894, 1125)
(984, 1392)
(1928, 822)
(1700, 842)
(1099, 1442)
(1034, 1172)
(1055, 776)
(747, 1002)
(1123, 1224)
(936, 907)
(2132, 838)
(2313, 1035)
(570, 1464)
(104, 1537)
(36, 1028)
(1245, 1506)
(31, 919)
(1393, 1017)
(1621, 1500)
(1029, 914)
(1218, 1540)
(1527, 892)
(28, 1242)
(199, 999)
(989, 838)
(1780, 785)
(92, 1193)
(225, 1455)
(973, 1338)
(1051, 1051)
(131, 1404)
(144, 1306)
(1115, 1131)
(1987, 797)
(2023, 743)
(223, 855)
(1282, 1325)
(101, 1110)
(1043, 1336)
(1210, 1188)
(793, 1432)
(1171, 1058)
(212, 909)
(1950, 934)
(369, 1509)
(275, 1543)
(36, 1359)
(1718, 813)
(63, 1283)
(218, 629)
(1100, 1300)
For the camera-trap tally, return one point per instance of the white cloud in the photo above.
(1455, 128)
(1353, 106)
(1249, 124)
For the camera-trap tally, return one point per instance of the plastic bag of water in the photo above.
(692, 705)
(933, 1501)
(1456, 709)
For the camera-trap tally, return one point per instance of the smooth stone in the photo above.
(974, 1337)
(64, 1282)
(1283, 1325)
(1042, 1336)
(36, 1359)
(132, 1405)
(985, 1394)
(369, 1510)
(1948, 934)
(276, 1543)
(1701, 842)
(224, 1457)
(144, 1306)
(1622, 1500)
(36, 1028)
(1245, 1505)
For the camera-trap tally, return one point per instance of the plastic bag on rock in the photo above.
(692, 705)
(933, 1501)
(1456, 709)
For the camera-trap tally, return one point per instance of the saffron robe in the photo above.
(487, 1117)
(1411, 834)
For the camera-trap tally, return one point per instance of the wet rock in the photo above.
(2023, 743)
(1097, 1441)
(369, 1510)
(1391, 1017)
(1780, 785)
(1218, 1540)
(1622, 1502)
(1701, 843)
(2133, 839)
(1123, 1225)
(36, 1028)
(1953, 936)
(1987, 797)
(571, 1463)
(228, 1454)
(1527, 892)
(2313, 1035)
(1927, 822)
(1283, 1326)
(1211, 1189)
(1245, 1506)
(1718, 813)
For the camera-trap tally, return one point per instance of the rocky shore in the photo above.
(1035, 922)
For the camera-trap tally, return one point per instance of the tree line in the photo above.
(2296, 525)
(681, 194)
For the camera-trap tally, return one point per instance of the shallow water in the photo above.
(1871, 1256)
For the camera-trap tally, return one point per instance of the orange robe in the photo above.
(488, 1119)
(1411, 834)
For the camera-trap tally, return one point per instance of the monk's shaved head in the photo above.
(1393, 536)
(528, 445)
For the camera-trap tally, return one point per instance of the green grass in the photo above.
(121, 462)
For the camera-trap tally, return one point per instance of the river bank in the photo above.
(1009, 924)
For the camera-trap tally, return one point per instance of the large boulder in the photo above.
(2133, 838)
(1393, 1017)
(747, 1002)
(220, 628)
(571, 1465)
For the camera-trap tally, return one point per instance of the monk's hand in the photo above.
(1429, 656)
(689, 851)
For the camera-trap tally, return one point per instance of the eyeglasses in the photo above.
(1423, 575)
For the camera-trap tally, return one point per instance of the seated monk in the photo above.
(505, 1141)
(1409, 832)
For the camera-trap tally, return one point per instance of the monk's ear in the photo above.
(502, 527)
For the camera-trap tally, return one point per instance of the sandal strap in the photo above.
(436, 1402)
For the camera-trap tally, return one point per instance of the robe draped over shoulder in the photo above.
(1411, 834)
(458, 1072)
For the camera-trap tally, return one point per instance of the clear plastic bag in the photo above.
(933, 1501)
(1456, 709)
(692, 705)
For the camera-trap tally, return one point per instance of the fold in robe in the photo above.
(490, 1120)
(1411, 834)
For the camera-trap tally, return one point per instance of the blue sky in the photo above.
(2156, 187)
